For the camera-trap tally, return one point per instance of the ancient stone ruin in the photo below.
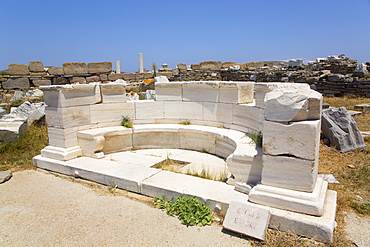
(84, 124)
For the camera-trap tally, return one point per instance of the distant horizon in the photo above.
(190, 32)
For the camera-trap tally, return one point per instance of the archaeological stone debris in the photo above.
(279, 177)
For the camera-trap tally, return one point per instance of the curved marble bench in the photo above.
(243, 158)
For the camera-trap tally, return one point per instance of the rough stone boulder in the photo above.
(18, 69)
(100, 67)
(341, 129)
(16, 83)
(75, 69)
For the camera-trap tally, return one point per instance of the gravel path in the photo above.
(40, 209)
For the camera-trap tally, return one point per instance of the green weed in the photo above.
(256, 138)
(189, 210)
(126, 122)
(187, 122)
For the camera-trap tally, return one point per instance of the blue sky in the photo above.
(175, 32)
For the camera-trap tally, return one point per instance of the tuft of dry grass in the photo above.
(18, 155)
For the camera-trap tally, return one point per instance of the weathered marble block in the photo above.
(248, 116)
(285, 105)
(113, 92)
(183, 110)
(112, 112)
(68, 117)
(64, 138)
(148, 109)
(168, 91)
(218, 112)
(206, 91)
(71, 95)
(299, 139)
(262, 89)
(289, 172)
(197, 140)
(236, 92)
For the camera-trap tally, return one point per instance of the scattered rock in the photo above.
(352, 166)
(5, 176)
(341, 129)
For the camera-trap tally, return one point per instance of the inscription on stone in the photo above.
(247, 219)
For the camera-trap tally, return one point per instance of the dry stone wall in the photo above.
(331, 76)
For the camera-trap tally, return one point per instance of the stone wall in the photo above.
(21, 76)
(331, 76)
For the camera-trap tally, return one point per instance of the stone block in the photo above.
(75, 69)
(262, 89)
(156, 139)
(71, 95)
(117, 143)
(56, 70)
(113, 92)
(149, 109)
(311, 203)
(197, 141)
(63, 138)
(58, 153)
(236, 92)
(285, 105)
(36, 66)
(289, 172)
(299, 139)
(99, 67)
(182, 67)
(16, 83)
(113, 77)
(111, 112)
(183, 110)
(224, 147)
(94, 78)
(247, 219)
(161, 79)
(195, 66)
(38, 83)
(210, 65)
(60, 81)
(248, 116)
(11, 130)
(78, 79)
(18, 69)
(129, 76)
(200, 91)
(218, 112)
(67, 117)
(171, 91)
(103, 77)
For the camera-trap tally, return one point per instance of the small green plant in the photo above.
(187, 122)
(256, 138)
(126, 122)
(363, 208)
(189, 210)
(3, 73)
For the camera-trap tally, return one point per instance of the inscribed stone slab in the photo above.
(247, 219)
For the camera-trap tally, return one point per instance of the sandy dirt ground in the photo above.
(40, 209)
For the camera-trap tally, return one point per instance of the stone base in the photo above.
(297, 201)
(217, 195)
(58, 153)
